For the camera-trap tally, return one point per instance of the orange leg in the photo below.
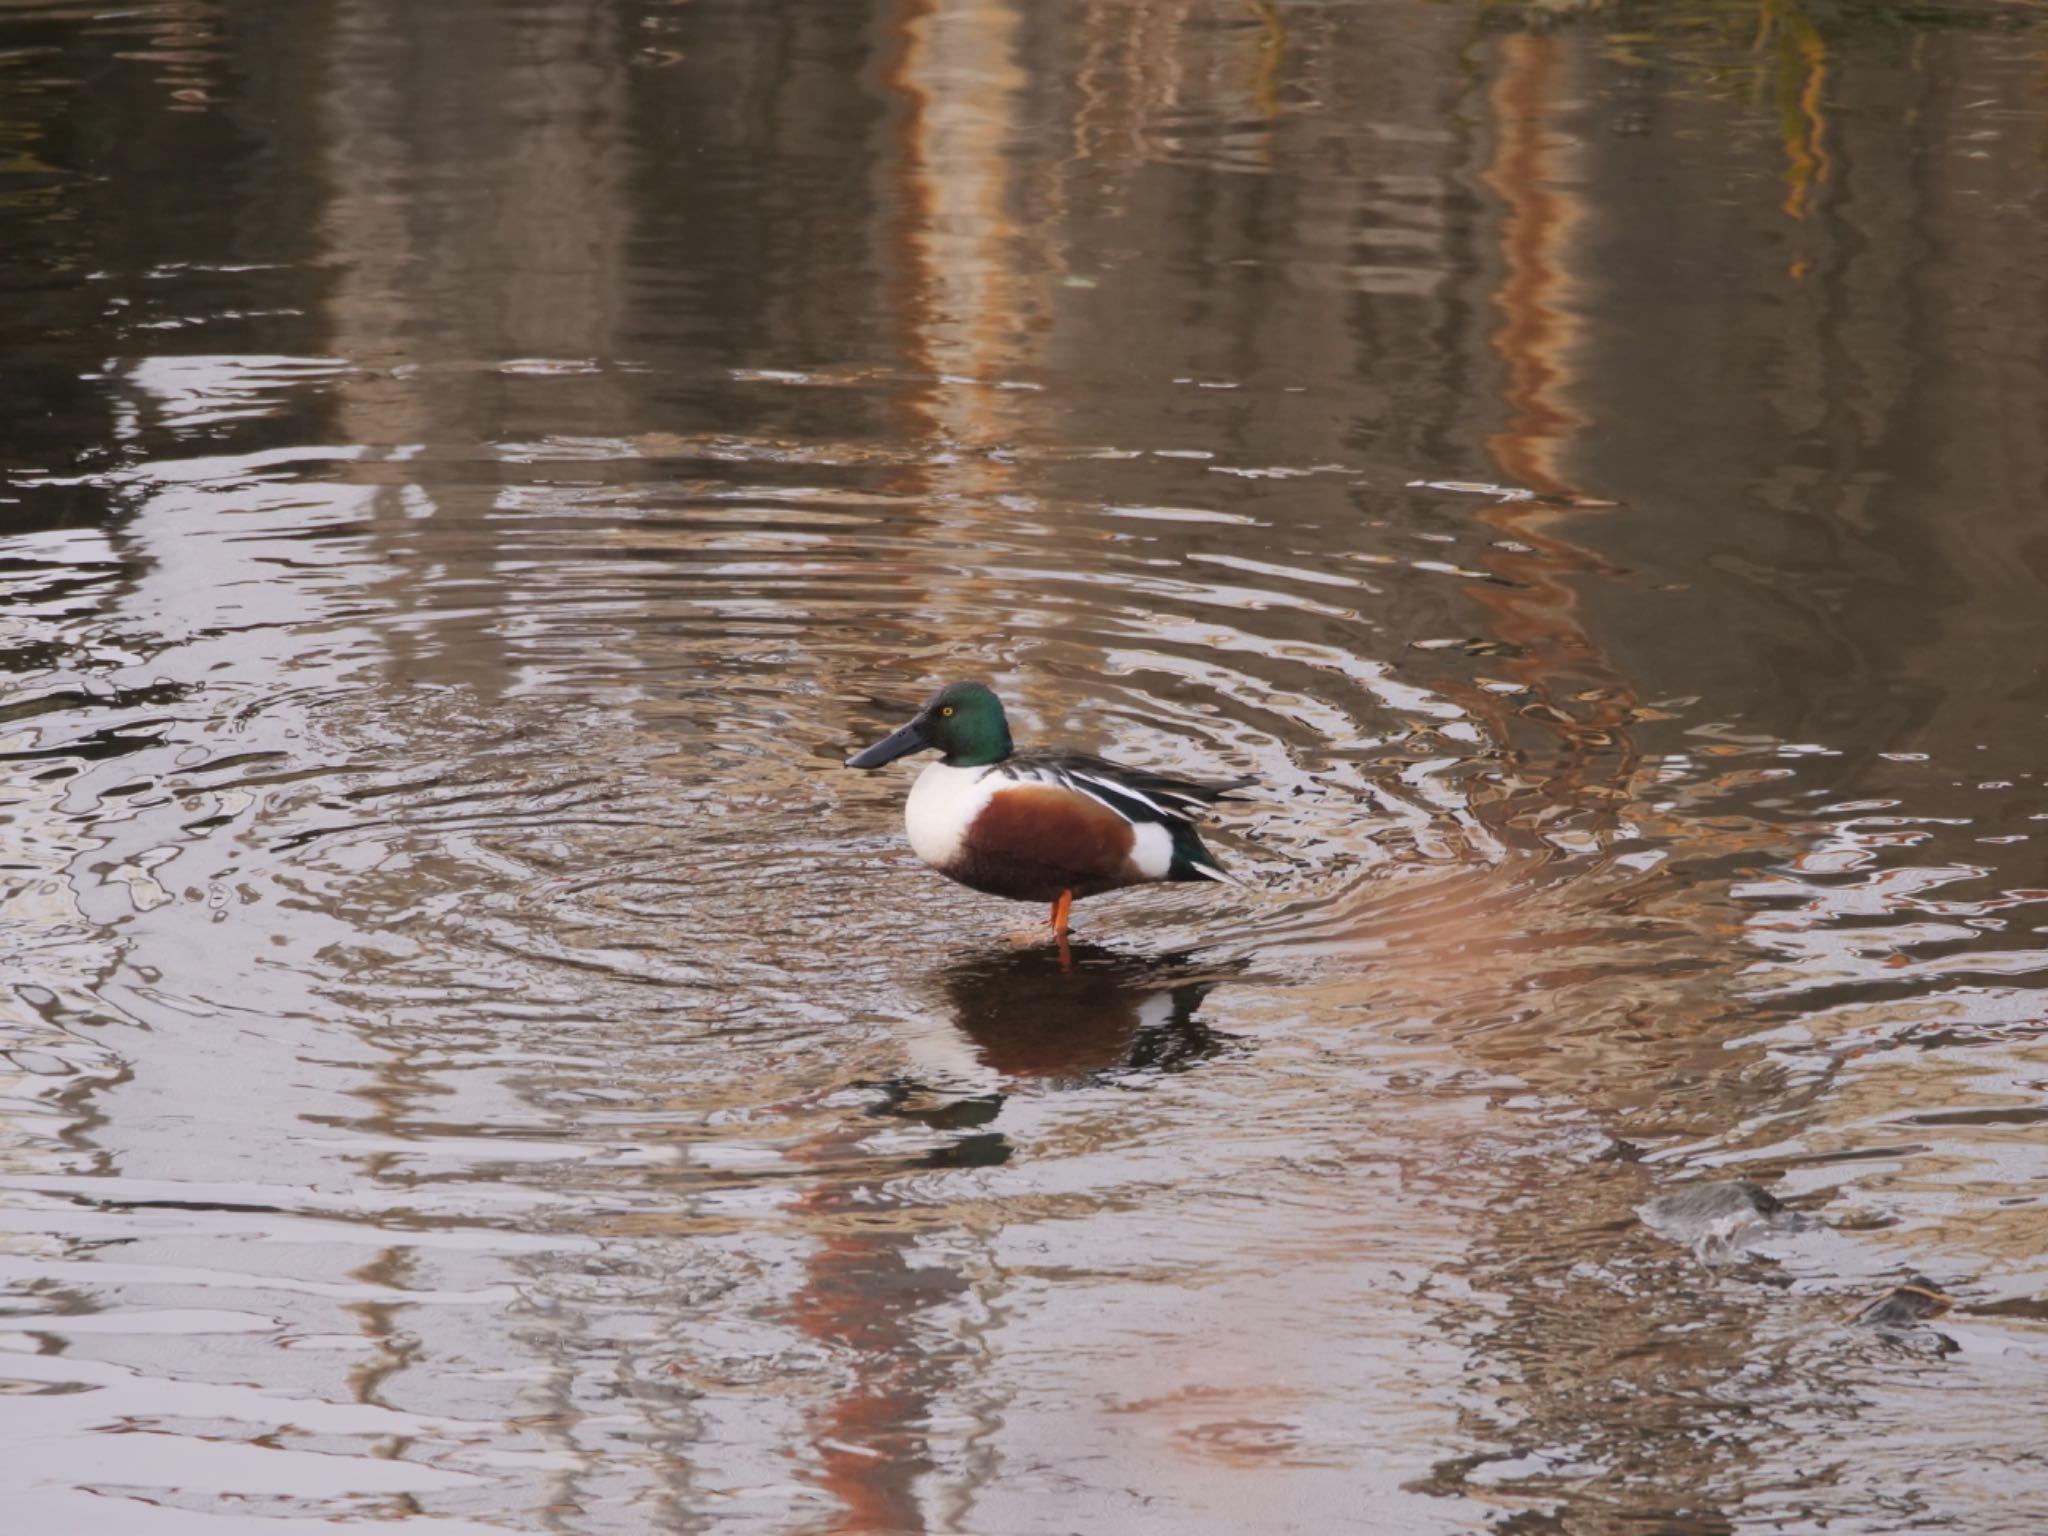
(1060, 909)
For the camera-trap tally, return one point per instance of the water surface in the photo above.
(474, 1061)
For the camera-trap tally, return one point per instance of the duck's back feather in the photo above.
(1150, 795)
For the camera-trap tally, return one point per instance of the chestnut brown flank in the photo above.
(1036, 840)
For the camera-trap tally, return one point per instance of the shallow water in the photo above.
(473, 1060)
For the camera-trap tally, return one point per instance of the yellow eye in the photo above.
(947, 710)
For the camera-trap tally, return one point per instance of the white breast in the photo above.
(942, 806)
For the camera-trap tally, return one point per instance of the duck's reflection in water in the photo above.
(1015, 1017)
(1028, 1015)
(996, 1026)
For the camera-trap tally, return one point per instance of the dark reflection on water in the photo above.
(469, 1057)
(1032, 1015)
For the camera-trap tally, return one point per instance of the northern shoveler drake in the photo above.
(1040, 826)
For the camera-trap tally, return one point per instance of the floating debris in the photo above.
(1915, 1300)
(1474, 488)
(1720, 1218)
(1901, 1315)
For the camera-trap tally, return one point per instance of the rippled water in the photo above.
(474, 1061)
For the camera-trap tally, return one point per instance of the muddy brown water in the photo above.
(474, 1061)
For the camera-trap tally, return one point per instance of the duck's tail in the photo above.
(1193, 861)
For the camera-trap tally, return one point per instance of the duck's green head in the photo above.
(963, 720)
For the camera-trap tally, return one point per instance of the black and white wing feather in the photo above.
(1139, 796)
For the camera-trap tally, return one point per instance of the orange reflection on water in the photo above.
(1538, 328)
(861, 1298)
(1801, 57)
(967, 297)
(1578, 693)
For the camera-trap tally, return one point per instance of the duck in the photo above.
(1044, 826)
